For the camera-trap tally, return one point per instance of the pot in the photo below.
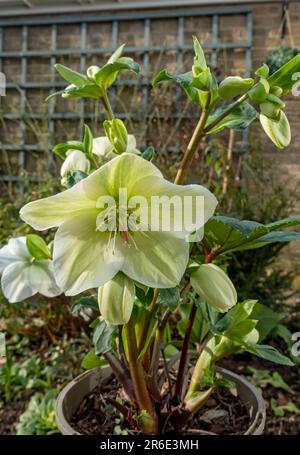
(73, 394)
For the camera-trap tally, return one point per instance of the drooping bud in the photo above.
(75, 161)
(214, 286)
(116, 299)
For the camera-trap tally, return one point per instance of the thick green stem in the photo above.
(204, 361)
(107, 106)
(138, 379)
(193, 144)
(146, 321)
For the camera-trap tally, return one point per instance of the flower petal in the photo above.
(84, 258)
(41, 277)
(75, 161)
(102, 146)
(6, 257)
(155, 259)
(18, 248)
(54, 210)
(123, 172)
(193, 205)
(15, 282)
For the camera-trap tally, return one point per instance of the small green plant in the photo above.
(281, 410)
(39, 417)
(265, 377)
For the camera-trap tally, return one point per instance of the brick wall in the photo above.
(266, 31)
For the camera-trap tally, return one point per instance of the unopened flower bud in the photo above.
(116, 299)
(252, 337)
(75, 161)
(116, 132)
(214, 286)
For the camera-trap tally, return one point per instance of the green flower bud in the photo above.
(272, 106)
(116, 299)
(116, 132)
(277, 91)
(92, 71)
(214, 286)
(260, 91)
(252, 337)
(233, 86)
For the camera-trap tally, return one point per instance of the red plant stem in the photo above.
(183, 357)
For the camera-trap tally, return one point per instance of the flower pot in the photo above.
(73, 394)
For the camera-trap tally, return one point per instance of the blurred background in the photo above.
(252, 180)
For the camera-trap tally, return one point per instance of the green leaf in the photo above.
(91, 360)
(238, 332)
(74, 177)
(152, 326)
(199, 59)
(239, 119)
(145, 296)
(183, 80)
(267, 319)
(263, 71)
(87, 91)
(102, 337)
(269, 353)
(236, 315)
(283, 77)
(84, 302)
(224, 234)
(53, 95)
(233, 86)
(71, 76)
(278, 131)
(260, 91)
(117, 54)
(61, 149)
(169, 297)
(87, 140)
(264, 377)
(37, 247)
(200, 326)
(148, 154)
(280, 411)
(108, 73)
(273, 237)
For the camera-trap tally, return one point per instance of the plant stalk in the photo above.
(146, 320)
(107, 105)
(193, 144)
(183, 357)
(138, 379)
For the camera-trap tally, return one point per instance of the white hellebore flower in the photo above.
(91, 246)
(103, 148)
(24, 276)
(214, 286)
(75, 161)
